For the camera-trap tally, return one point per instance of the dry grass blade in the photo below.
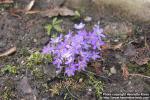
(30, 5)
(33, 12)
(140, 75)
(8, 52)
(6, 1)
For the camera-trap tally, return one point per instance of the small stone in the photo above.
(80, 80)
(25, 86)
(113, 70)
(129, 83)
(116, 40)
(90, 90)
(35, 40)
(88, 19)
(49, 70)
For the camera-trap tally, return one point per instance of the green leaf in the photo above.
(58, 28)
(58, 22)
(48, 29)
(54, 21)
(77, 14)
(54, 35)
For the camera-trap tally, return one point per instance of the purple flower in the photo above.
(56, 40)
(74, 52)
(70, 71)
(98, 31)
(47, 49)
(81, 65)
(95, 55)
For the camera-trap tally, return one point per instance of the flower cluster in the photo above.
(74, 51)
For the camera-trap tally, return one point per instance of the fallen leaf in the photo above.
(66, 12)
(9, 52)
(6, 1)
(30, 5)
(58, 11)
(106, 46)
(125, 72)
(118, 46)
(113, 47)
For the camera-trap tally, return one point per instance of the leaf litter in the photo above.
(57, 11)
(49, 12)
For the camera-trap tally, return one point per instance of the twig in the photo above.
(139, 75)
(8, 52)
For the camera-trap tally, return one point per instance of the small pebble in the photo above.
(113, 70)
(80, 80)
(79, 26)
(90, 90)
(88, 19)
(35, 40)
(116, 40)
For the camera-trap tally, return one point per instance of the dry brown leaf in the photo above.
(118, 46)
(106, 46)
(58, 11)
(66, 12)
(30, 5)
(125, 72)
(6, 1)
(109, 46)
(8, 52)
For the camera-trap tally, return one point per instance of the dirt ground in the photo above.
(124, 39)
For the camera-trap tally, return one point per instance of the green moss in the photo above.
(6, 95)
(96, 84)
(144, 69)
(24, 52)
(7, 92)
(132, 67)
(35, 63)
(148, 69)
(9, 69)
(5, 6)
